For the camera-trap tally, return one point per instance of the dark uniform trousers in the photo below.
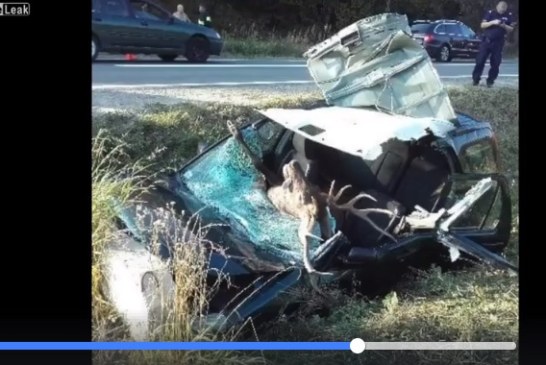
(489, 49)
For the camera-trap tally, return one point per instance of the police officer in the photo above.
(204, 17)
(496, 24)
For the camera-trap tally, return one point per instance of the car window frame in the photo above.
(150, 5)
(497, 197)
(255, 124)
(464, 148)
(127, 14)
(467, 31)
(456, 29)
(438, 27)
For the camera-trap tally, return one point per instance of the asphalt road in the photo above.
(112, 74)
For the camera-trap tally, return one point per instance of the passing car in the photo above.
(146, 27)
(439, 177)
(446, 39)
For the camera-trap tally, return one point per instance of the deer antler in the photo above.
(361, 213)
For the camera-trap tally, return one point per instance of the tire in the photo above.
(444, 55)
(94, 48)
(197, 50)
(168, 57)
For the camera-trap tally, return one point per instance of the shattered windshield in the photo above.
(225, 180)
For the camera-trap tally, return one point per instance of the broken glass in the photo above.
(224, 179)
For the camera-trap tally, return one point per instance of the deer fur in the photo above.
(296, 196)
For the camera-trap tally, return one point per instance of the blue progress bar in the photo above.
(176, 346)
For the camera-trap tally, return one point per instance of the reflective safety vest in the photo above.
(204, 19)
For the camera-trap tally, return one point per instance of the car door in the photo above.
(478, 217)
(455, 37)
(157, 30)
(112, 23)
(472, 41)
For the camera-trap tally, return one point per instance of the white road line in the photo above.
(193, 84)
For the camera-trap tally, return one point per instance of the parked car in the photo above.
(439, 177)
(446, 39)
(145, 27)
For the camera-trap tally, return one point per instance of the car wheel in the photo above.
(94, 48)
(197, 50)
(168, 57)
(445, 54)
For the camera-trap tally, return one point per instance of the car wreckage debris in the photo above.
(443, 219)
(297, 197)
(375, 62)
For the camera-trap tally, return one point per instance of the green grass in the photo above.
(475, 304)
(248, 42)
(255, 48)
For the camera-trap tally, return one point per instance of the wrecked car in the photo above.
(436, 170)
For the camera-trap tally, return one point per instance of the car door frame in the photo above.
(460, 142)
(159, 28)
(471, 37)
(115, 31)
(455, 38)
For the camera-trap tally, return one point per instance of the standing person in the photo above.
(180, 14)
(204, 17)
(496, 24)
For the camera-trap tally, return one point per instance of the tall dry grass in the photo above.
(181, 306)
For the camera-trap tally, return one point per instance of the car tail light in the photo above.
(428, 38)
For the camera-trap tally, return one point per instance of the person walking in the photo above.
(180, 14)
(496, 24)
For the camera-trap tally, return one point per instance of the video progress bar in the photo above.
(357, 346)
(432, 346)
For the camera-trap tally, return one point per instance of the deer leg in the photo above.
(304, 231)
(305, 228)
(270, 176)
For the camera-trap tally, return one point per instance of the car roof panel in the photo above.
(357, 131)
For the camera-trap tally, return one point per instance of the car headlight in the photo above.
(217, 35)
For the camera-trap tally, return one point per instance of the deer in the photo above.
(296, 196)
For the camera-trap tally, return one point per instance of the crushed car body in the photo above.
(435, 170)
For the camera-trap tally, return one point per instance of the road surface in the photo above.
(113, 74)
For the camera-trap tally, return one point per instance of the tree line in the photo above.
(285, 16)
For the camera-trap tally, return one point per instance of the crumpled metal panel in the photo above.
(375, 63)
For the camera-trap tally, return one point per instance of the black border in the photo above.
(531, 143)
(45, 271)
